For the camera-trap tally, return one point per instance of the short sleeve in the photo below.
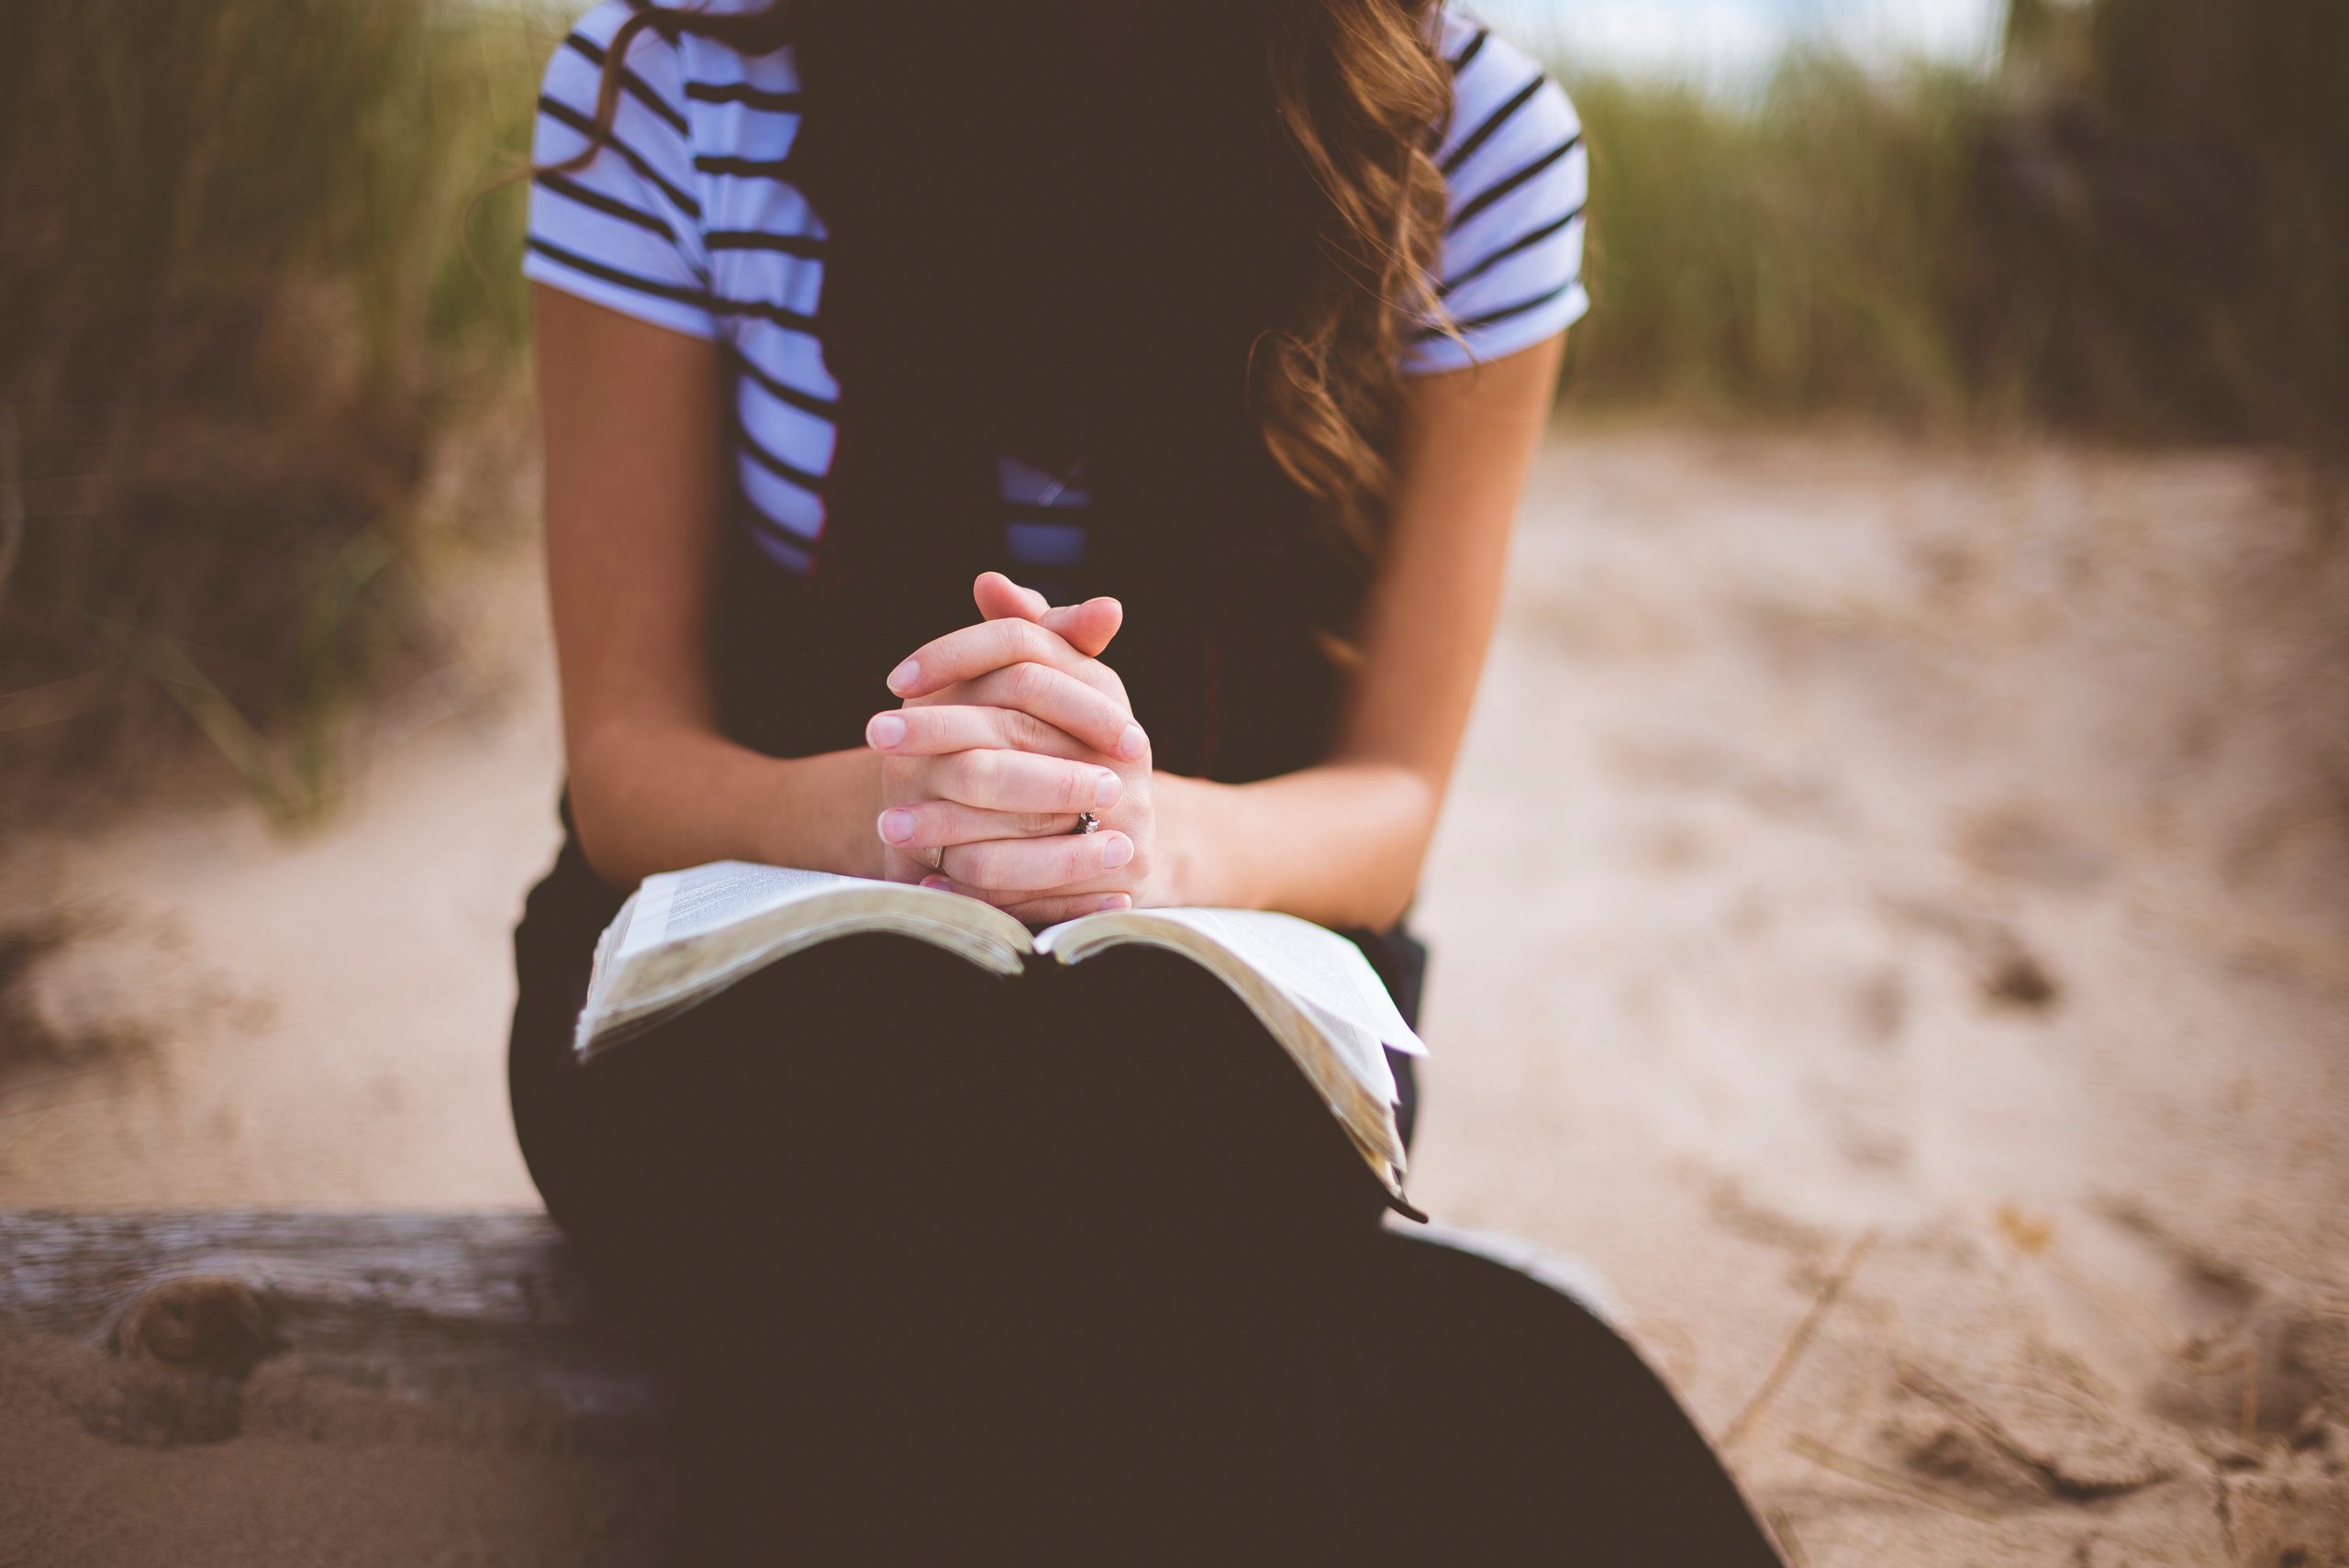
(624, 228)
(1509, 272)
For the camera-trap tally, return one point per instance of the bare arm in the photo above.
(634, 422)
(1342, 843)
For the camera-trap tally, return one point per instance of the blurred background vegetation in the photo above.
(261, 349)
(249, 309)
(2136, 227)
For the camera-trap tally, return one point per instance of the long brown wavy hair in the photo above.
(1358, 89)
(1196, 263)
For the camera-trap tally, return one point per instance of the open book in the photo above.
(683, 936)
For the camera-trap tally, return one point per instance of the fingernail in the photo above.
(887, 729)
(937, 883)
(1116, 851)
(1105, 789)
(903, 675)
(1115, 901)
(896, 825)
(1132, 743)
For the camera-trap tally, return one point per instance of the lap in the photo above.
(878, 1094)
(1077, 1260)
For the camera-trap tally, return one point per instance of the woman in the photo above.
(1061, 453)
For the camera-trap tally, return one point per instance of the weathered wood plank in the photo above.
(447, 1308)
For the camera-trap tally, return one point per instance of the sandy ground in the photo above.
(1893, 922)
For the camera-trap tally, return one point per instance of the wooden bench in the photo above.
(312, 1387)
(308, 1387)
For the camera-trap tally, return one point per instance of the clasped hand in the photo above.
(1009, 729)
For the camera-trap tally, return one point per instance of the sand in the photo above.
(1892, 923)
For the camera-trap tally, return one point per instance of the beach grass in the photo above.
(260, 272)
(1794, 254)
(2137, 227)
(247, 289)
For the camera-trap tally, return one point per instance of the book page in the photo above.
(673, 905)
(1318, 969)
(1311, 989)
(683, 936)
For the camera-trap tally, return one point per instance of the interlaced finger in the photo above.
(1052, 911)
(998, 780)
(995, 866)
(933, 732)
(1044, 692)
(969, 651)
(1027, 708)
(920, 826)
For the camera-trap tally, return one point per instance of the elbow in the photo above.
(1387, 905)
(594, 794)
(599, 839)
(1393, 881)
(1390, 898)
(605, 855)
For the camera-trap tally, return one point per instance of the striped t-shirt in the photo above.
(687, 218)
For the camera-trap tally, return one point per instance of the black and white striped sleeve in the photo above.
(623, 230)
(1511, 270)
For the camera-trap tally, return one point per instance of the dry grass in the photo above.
(248, 298)
(244, 302)
(2140, 227)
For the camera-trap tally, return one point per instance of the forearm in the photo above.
(658, 798)
(1340, 844)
